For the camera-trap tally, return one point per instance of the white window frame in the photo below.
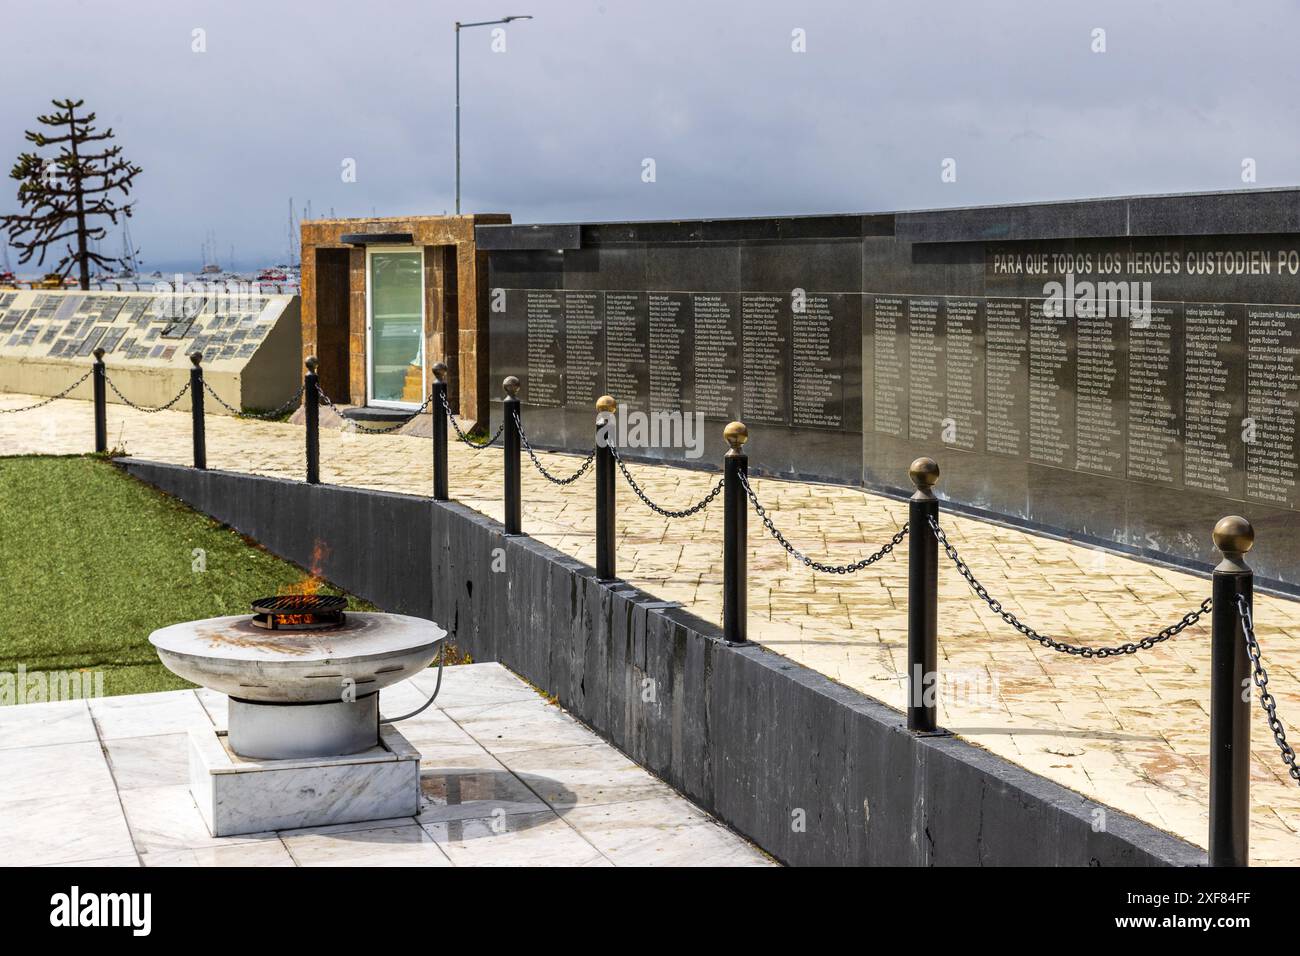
(370, 321)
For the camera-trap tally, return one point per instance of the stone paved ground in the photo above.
(506, 779)
(1131, 732)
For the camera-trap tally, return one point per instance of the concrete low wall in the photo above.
(810, 770)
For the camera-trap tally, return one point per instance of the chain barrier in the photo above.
(261, 416)
(803, 558)
(1146, 643)
(376, 431)
(582, 470)
(52, 398)
(148, 410)
(666, 512)
(1266, 699)
(477, 446)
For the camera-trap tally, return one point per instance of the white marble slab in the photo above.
(584, 776)
(236, 796)
(524, 726)
(524, 839)
(460, 793)
(33, 725)
(167, 818)
(63, 828)
(54, 769)
(159, 761)
(474, 684)
(406, 844)
(147, 715)
(661, 832)
(263, 853)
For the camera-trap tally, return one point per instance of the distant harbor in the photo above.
(274, 279)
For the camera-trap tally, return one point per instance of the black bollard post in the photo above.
(311, 408)
(605, 523)
(922, 599)
(196, 411)
(1230, 697)
(513, 484)
(735, 536)
(440, 413)
(101, 404)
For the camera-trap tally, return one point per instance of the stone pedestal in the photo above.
(241, 795)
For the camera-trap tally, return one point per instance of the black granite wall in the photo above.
(852, 344)
(757, 740)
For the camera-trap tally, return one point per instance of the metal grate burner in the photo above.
(299, 612)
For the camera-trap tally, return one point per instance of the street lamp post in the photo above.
(460, 26)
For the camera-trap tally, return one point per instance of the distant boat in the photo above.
(273, 274)
(210, 269)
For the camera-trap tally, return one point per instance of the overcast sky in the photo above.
(556, 127)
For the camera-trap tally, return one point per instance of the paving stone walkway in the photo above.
(506, 779)
(1131, 732)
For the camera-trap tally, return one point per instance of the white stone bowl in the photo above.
(234, 656)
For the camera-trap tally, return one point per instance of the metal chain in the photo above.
(52, 398)
(145, 408)
(377, 431)
(1146, 643)
(465, 438)
(582, 470)
(666, 512)
(807, 561)
(263, 416)
(1266, 699)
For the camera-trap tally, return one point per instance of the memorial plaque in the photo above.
(765, 323)
(91, 340)
(1051, 388)
(1155, 393)
(1214, 393)
(112, 338)
(819, 352)
(963, 334)
(584, 349)
(717, 354)
(1272, 401)
(545, 314)
(671, 352)
(889, 337)
(1101, 393)
(627, 340)
(1007, 369)
(926, 398)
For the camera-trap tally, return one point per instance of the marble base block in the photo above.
(239, 795)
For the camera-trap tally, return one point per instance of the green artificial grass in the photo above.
(92, 561)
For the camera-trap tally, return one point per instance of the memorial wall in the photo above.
(699, 331)
(250, 343)
(1067, 373)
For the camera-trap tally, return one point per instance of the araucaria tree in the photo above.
(61, 194)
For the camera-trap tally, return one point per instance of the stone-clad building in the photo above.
(385, 299)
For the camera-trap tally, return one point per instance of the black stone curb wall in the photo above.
(750, 736)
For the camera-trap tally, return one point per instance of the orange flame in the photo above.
(311, 583)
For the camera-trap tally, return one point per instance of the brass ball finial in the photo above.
(311, 363)
(1234, 535)
(924, 473)
(736, 434)
(606, 404)
(196, 357)
(511, 385)
(440, 371)
(99, 354)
